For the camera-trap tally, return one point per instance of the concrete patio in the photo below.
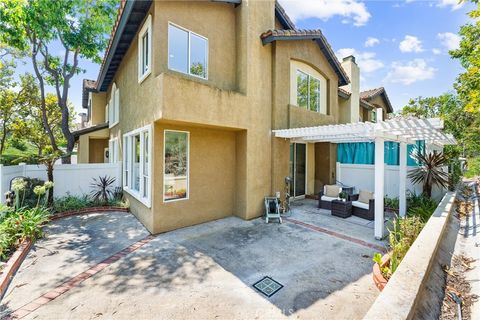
(204, 271)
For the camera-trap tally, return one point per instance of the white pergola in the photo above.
(404, 130)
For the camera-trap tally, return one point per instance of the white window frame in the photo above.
(146, 28)
(188, 165)
(189, 51)
(113, 150)
(308, 91)
(128, 164)
(114, 107)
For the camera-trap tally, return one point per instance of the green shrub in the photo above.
(19, 225)
(420, 206)
(401, 238)
(473, 165)
(392, 203)
(72, 203)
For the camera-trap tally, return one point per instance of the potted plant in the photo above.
(343, 196)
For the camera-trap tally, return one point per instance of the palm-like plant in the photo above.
(102, 189)
(430, 171)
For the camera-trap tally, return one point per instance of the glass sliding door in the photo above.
(298, 169)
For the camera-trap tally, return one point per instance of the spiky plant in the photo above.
(102, 189)
(429, 171)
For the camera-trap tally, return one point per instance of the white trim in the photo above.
(114, 106)
(146, 28)
(306, 169)
(113, 156)
(189, 51)
(187, 197)
(128, 164)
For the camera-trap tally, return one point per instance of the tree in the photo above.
(15, 103)
(461, 124)
(468, 82)
(36, 26)
(430, 171)
(28, 125)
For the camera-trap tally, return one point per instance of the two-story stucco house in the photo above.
(188, 95)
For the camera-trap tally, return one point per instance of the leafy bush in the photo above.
(72, 203)
(19, 225)
(420, 206)
(473, 168)
(103, 189)
(401, 238)
(392, 203)
(454, 175)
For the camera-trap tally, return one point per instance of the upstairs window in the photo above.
(145, 50)
(308, 91)
(114, 106)
(187, 52)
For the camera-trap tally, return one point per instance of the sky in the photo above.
(400, 45)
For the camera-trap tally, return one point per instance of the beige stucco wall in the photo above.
(97, 148)
(230, 115)
(212, 180)
(97, 115)
(379, 102)
(287, 115)
(84, 149)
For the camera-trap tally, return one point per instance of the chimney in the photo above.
(353, 72)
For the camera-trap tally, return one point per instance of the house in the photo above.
(187, 102)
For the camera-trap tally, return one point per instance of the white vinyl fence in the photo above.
(73, 179)
(362, 176)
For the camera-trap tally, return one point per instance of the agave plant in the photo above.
(103, 189)
(429, 171)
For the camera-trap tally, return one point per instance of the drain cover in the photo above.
(267, 286)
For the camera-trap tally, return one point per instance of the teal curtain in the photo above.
(364, 153)
(420, 146)
(392, 153)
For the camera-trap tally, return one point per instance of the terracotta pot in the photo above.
(378, 279)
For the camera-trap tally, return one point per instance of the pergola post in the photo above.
(379, 186)
(402, 192)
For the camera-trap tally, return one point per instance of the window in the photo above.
(176, 165)
(113, 150)
(137, 164)
(187, 52)
(145, 50)
(308, 91)
(114, 106)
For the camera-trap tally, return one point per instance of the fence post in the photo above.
(24, 168)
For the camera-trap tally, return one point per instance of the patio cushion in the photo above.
(327, 198)
(332, 190)
(365, 196)
(359, 204)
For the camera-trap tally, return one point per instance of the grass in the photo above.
(13, 156)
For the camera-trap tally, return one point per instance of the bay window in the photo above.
(137, 164)
(176, 165)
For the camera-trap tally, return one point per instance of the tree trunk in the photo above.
(50, 165)
(2, 142)
(46, 125)
(67, 159)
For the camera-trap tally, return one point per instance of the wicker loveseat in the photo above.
(361, 208)
(324, 200)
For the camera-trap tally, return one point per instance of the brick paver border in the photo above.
(337, 235)
(75, 281)
(13, 264)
